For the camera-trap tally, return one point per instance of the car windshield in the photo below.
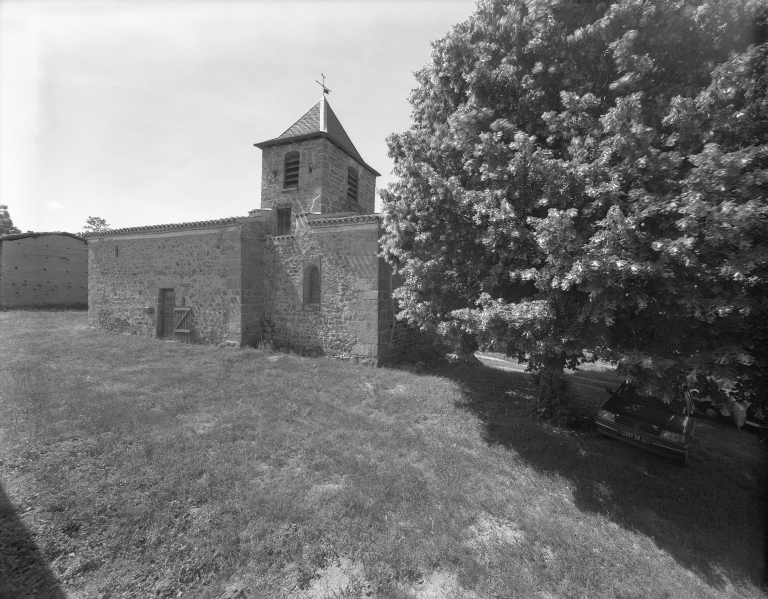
(677, 405)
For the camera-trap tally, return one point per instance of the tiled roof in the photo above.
(33, 234)
(337, 133)
(319, 120)
(201, 224)
(309, 123)
(358, 218)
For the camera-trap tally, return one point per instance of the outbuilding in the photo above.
(43, 269)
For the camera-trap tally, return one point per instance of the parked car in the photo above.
(648, 422)
(741, 413)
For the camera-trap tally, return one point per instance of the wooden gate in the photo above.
(183, 324)
(167, 322)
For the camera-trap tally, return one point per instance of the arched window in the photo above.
(312, 288)
(352, 185)
(291, 173)
(314, 285)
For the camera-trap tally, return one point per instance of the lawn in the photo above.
(133, 467)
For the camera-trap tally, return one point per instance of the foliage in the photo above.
(6, 224)
(588, 180)
(94, 224)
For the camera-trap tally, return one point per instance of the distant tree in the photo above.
(94, 224)
(588, 181)
(6, 224)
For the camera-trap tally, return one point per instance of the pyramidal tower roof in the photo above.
(318, 121)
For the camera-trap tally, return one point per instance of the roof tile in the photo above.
(201, 224)
(321, 119)
(13, 236)
(309, 123)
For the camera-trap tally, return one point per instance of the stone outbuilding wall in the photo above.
(43, 269)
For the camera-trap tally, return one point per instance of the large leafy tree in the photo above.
(588, 180)
(6, 224)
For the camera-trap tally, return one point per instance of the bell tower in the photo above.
(314, 168)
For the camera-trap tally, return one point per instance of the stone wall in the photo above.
(305, 198)
(322, 179)
(346, 323)
(243, 285)
(398, 336)
(46, 269)
(252, 290)
(335, 168)
(404, 337)
(204, 267)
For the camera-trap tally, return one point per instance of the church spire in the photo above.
(319, 121)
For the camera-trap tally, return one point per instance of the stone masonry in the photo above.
(322, 180)
(201, 264)
(242, 283)
(351, 314)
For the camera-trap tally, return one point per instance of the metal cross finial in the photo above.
(325, 89)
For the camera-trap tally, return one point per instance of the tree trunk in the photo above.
(465, 350)
(553, 396)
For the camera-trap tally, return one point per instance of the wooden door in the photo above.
(183, 323)
(167, 317)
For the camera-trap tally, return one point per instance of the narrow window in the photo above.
(283, 221)
(291, 176)
(312, 288)
(352, 185)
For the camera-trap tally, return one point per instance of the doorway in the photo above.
(166, 324)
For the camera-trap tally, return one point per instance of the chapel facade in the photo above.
(303, 271)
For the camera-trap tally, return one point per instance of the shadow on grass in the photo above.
(23, 570)
(709, 516)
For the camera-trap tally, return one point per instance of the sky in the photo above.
(145, 113)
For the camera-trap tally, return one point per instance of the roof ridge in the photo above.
(12, 236)
(335, 129)
(356, 217)
(165, 227)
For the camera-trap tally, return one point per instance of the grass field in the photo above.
(134, 467)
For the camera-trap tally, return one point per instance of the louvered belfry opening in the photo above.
(352, 185)
(291, 178)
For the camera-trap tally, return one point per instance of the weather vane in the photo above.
(325, 89)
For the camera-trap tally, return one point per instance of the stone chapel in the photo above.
(303, 271)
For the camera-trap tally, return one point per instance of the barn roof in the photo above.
(40, 234)
(201, 224)
(318, 121)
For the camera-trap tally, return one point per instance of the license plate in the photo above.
(634, 436)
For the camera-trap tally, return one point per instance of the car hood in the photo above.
(644, 413)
